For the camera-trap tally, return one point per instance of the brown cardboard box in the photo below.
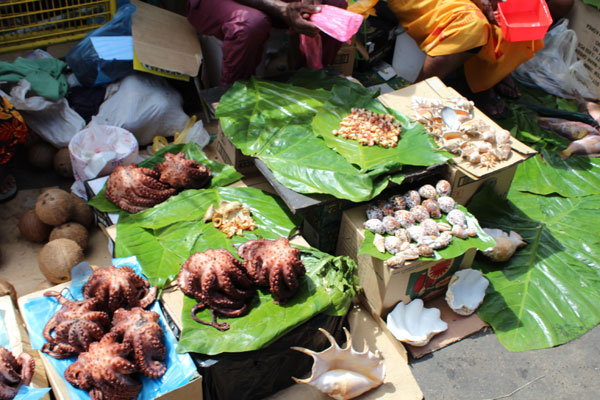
(385, 287)
(344, 59)
(233, 156)
(584, 19)
(465, 178)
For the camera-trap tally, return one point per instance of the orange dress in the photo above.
(442, 27)
(13, 130)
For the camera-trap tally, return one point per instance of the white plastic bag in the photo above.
(143, 104)
(54, 121)
(555, 69)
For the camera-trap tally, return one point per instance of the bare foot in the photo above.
(507, 87)
(491, 105)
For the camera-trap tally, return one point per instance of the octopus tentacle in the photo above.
(27, 363)
(14, 372)
(222, 326)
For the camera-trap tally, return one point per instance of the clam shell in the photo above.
(414, 324)
(466, 291)
(342, 372)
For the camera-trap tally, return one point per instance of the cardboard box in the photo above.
(344, 59)
(385, 287)
(233, 156)
(466, 178)
(584, 19)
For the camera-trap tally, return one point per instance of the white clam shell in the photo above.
(466, 291)
(342, 372)
(414, 324)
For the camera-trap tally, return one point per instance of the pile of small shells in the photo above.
(408, 221)
(370, 128)
(474, 141)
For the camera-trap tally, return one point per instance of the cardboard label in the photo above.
(585, 21)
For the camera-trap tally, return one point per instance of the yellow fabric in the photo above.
(442, 27)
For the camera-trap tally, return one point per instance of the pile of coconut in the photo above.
(64, 220)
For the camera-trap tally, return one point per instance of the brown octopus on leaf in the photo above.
(217, 280)
(14, 372)
(273, 264)
(105, 371)
(118, 288)
(140, 330)
(135, 189)
(181, 173)
(74, 326)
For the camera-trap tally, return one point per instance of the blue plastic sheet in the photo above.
(39, 310)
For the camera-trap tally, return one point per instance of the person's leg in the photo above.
(242, 29)
(441, 66)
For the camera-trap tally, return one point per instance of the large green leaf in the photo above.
(456, 248)
(222, 174)
(548, 292)
(329, 286)
(164, 236)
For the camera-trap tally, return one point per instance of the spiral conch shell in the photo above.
(232, 218)
(341, 372)
(506, 244)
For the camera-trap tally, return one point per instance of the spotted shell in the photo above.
(374, 212)
(460, 232)
(398, 202)
(430, 227)
(415, 232)
(412, 198)
(390, 224)
(411, 252)
(443, 187)
(375, 226)
(419, 213)
(425, 250)
(405, 218)
(427, 192)
(457, 217)
(402, 234)
(392, 244)
(442, 241)
(396, 261)
(433, 208)
(446, 204)
(386, 207)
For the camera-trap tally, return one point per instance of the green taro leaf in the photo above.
(222, 174)
(163, 237)
(548, 292)
(329, 286)
(456, 248)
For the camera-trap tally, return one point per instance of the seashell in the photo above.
(392, 244)
(506, 244)
(405, 218)
(410, 252)
(415, 232)
(446, 204)
(390, 224)
(425, 250)
(502, 137)
(402, 234)
(459, 232)
(379, 243)
(414, 324)
(503, 151)
(374, 212)
(442, 241)
(342, 372)
(443, 187)
(430, 227)
(398, 202)
(466, 291)
(386, 207)
(210, 212)
(375, 226)
(433, 208)
(396, 261)
(444, 227)
(457, 217)
(412, 198)
(427, 192)
(474, 157)
(471, 232)
(419, 213)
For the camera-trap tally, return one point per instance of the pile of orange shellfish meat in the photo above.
(231, 218)
(369, 128)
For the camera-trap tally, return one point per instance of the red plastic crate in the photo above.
(522, 20)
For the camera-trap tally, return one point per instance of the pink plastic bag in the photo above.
(312, 49)
(338, 23)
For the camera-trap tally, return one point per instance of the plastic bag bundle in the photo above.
(338, 23)
(555, 69)
(312, 48)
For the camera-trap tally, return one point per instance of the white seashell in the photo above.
(413, 324)
(396, 261)
(419, 213)
(415, 232)
(425, 250)
(446, 204)
(459, 232)
(506, 245)
(402, 234)
(502, 137)
(342, 372)
(392, 244)
(433, 208)
(443, 187)
(405, 218)
(427, 192)
(390, 224)
(442, 241)
(430, 227)
(444, 227)
(379, 243)
(412, 198)
(466, 291)
(411, 252)
(457, 217)
(374, 212)
(374, 225)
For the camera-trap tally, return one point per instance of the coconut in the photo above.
(57, 258)
(6, 288)
(71, 230)
(32, 228)
(41, 155)
(54, 206)
(62, 163)
(82, 212)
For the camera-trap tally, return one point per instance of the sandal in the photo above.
(507, 88)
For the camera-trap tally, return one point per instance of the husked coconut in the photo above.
(32, 228)
(54, 206)
(71, 230)
(82, 213)
(7, 288)
(62, 163)
(57, 258)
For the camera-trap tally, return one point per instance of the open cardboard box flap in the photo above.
(401, 100)
(164, 40)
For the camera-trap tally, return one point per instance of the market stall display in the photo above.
(466, 291)
(415, 324)
(14, 372)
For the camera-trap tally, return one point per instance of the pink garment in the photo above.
(244, 31)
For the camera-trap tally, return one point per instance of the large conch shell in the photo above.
(414, 324)
(232, 218)
(506, 244)
(343, 373)
(466, 291)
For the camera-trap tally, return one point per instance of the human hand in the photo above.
(489, 7)
(297, 15)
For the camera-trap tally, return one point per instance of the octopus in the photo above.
(140, 329)
(14, 372)
(275, 265)
(74, 326)
(181, 173)
(119, 288)
(136, 189)
(217, 280)
(105, 370)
